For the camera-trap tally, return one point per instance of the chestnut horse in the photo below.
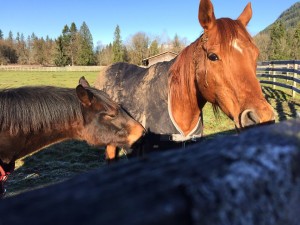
(34, 117)
(219, 67)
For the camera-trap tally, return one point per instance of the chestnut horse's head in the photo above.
(219, 67)
(228, 74)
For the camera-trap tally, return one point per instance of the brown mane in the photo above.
(31, 109)
(181, 73)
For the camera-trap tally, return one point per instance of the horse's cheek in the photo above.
(96, 134)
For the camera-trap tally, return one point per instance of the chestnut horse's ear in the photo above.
(246, 15)
(206, 15)
(84, 82)
(84, 95)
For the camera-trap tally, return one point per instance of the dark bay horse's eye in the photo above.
(110, 116)
(212, 56)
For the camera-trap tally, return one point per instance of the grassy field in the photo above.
(10, 79)
(62, 161)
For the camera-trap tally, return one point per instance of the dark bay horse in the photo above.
(219, 67)
(34, 117)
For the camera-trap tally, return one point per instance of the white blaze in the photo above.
(236, 46)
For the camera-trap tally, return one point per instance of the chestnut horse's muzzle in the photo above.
(250, 118)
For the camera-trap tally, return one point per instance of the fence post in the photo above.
(295, 76)
(287, 73)
(273, 73)
(269, 72)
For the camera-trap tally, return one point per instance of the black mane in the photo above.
(29, 109)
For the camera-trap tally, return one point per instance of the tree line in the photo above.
(75, 47)
(279, 43)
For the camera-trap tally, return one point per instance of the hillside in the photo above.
(281, 39)
(289, 18)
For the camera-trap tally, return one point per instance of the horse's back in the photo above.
(143, 92)
(117, 75)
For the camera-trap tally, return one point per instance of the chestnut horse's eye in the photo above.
(212, 57)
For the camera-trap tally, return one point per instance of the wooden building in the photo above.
(165, 56)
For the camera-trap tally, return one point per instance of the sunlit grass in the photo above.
(9, 79)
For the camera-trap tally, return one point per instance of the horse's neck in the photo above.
(37, 141)
(185, 112)
(185, 105)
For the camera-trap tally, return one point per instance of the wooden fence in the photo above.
(51, 68)
(280, 73)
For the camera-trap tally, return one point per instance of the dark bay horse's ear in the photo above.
(84, 82)
(84, 95)
(206, 15)
(246, 15)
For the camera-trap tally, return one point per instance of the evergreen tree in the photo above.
(295, 53)
(73, 43)
(118, 54)
(66, 41)
(126, 56)
(85, 51)
(1, 35)
(22, 50)
(61, 59)
(278, 42)
(10, 38)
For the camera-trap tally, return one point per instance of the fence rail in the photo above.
(52, 68)
(280, 73)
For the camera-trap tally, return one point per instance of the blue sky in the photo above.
(162, 18)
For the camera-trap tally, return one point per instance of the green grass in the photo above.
(65, 160)
(10, 79)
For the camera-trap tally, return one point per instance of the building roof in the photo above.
(163, 53)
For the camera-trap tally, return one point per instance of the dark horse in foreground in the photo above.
(219, 67)
(34, 117)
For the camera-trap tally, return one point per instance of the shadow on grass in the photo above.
(53, 164)
(285, 106)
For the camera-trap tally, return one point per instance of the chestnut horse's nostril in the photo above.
(249, 118)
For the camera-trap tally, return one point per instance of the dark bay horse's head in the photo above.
(105, 122)
(228, 78)
(219, 67)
